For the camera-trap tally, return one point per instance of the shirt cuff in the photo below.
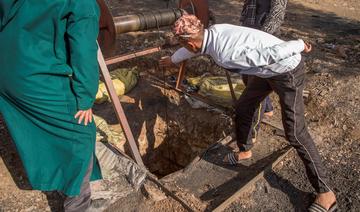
(173, 58)
(299, 46)
(181, 55)
(178, 56)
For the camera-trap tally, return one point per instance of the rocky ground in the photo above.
(332, 109)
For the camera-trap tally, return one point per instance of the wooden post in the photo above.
(180, 76)
(119, 111)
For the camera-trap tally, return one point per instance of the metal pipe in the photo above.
(121, 58)
(146, 20)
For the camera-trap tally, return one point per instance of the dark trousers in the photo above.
(265, 106)
(81, 202)
(289, 86)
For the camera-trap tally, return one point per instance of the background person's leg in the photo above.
(268, 105)
(81, 202)
(257, 118)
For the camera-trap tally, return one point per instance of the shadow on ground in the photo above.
(246, 172)
(12, 161)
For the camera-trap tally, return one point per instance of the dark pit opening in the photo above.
(170, 133)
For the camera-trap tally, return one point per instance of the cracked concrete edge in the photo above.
(170, 193)
(112, 158)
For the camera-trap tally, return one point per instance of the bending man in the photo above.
(276, 66)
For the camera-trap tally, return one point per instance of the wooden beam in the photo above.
(180, 76)
(121, 58)
(119, 111)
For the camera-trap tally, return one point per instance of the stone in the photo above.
(32, 208)
(341, 50)
(344, 127)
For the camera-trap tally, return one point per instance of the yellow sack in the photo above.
(123, 80)
(217, 89)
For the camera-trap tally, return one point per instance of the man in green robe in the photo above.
(48, 82)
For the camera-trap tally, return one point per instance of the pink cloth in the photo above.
(187, 25)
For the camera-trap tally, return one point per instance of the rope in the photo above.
(166, 104)
(166, 118)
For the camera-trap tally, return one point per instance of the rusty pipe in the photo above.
(143, 21)
(121, 58)
(146, 20)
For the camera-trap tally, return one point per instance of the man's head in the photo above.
(190, 32)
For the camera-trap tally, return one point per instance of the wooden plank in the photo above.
(247, 186)
(119, 111)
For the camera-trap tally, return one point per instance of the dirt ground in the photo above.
(332, 108)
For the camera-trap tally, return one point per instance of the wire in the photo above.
(166, 102)
(166, 119)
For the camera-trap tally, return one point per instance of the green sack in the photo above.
(123, 80)
(216, 88)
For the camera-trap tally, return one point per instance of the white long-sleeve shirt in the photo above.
(247, 51)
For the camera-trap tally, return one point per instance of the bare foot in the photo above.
(240, 156)
(269, 114)
(326, 199)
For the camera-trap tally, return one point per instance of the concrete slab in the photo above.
(211, 181)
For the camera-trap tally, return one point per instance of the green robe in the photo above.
(49, 71)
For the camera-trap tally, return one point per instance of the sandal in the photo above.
(315, 207)
(231, 160)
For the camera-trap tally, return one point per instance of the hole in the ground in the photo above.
(170, 133)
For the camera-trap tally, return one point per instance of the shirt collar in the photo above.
(205, 41)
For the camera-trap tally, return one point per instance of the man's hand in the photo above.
(308, 47)
(165, 62)
(84, 115)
